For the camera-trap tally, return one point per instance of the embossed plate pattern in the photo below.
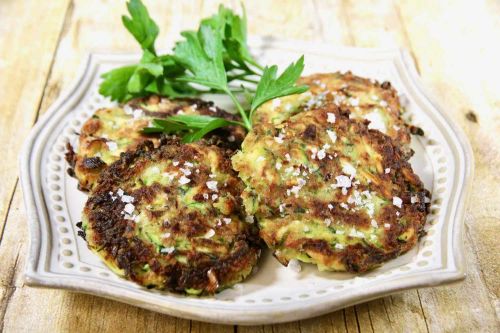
(58, 258)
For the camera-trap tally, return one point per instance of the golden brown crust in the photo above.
(360, 96)
(185, 212)
(292, 172)
(111, 131)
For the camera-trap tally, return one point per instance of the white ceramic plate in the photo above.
(58, 258)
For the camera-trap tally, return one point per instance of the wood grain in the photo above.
(23, 77)
(455, 45)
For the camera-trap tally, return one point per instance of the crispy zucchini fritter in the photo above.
(363, 98)
(171, 218)
(326, 189)
(112, 131)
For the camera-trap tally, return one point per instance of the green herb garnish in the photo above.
(205, 61)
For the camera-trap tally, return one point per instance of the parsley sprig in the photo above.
(207, 60)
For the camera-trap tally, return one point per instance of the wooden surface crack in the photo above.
(422, 311)
(62, 32)
(4, 224)
(10, 289)
(404, 31)
(72, 28)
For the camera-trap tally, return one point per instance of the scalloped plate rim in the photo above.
(279, 312)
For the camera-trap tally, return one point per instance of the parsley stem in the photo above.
(244, 116)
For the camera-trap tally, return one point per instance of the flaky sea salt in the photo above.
(330, 117)
(212, 185)
(184, 180)
(294, 265)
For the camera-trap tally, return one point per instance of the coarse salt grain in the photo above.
(128, 109)
(186, 172)
(344, 205)
(357, 234)
(354, 101)
(129, 208)
(349, 170)
(321, 154)
(332, 135)
(127, 198)
(282, 208)
(168, 250)
(184, 180)
(112, 146)
(137, 114)
(342, 181)
(212, 185)
(294, 265)
(330, 117)
(210, 233)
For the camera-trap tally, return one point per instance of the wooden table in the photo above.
(457, 48)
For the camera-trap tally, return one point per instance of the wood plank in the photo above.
(329, 323)
(464, 307)
(23, 77)
(461, 307)
(275, 18)
(15, 244)
(200, 327)
(61, 311)
(55, 310)
(460, 66)
(334, 25)
(398, 313)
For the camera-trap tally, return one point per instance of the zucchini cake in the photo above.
(112, 131)
(327, 189)
(171, 218)
(363, 98)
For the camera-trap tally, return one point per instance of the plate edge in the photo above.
(34, 277)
